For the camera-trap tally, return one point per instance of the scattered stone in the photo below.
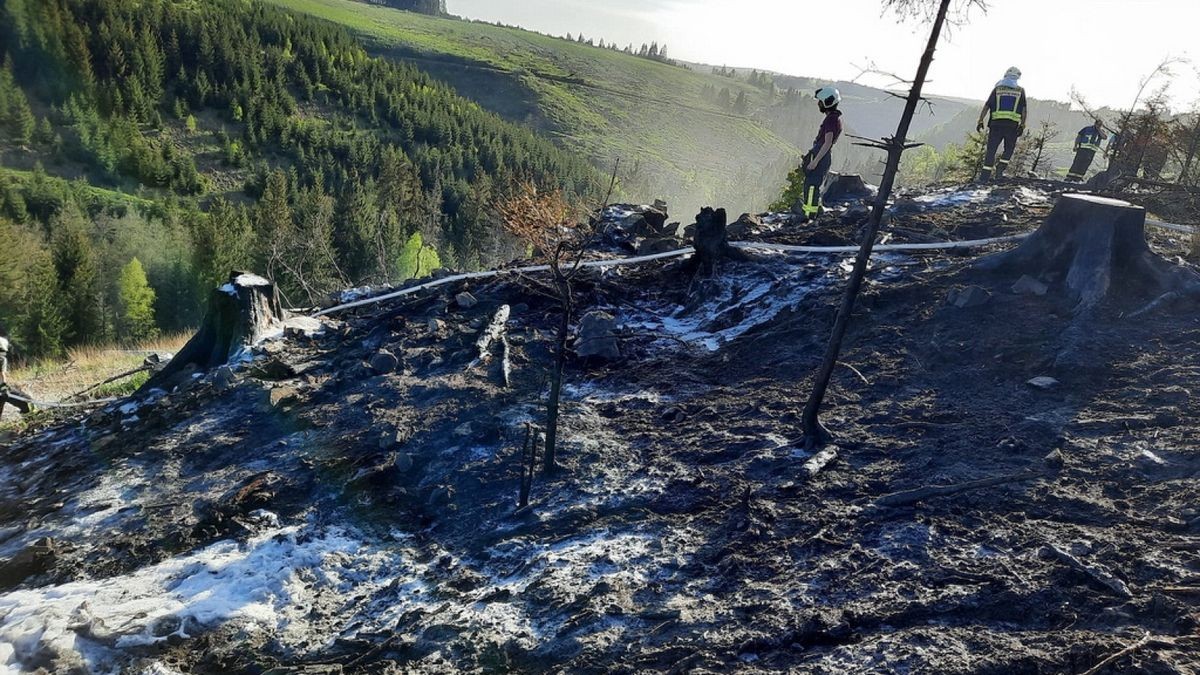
(906, 206)
(971, 296)
(384, 362)
(225, 377)
(1056, 459)
(280, 397)
(674, 414)
(37, 558)
(655, 246)
(743, 226)
(1044, 383)
(597, 337)
(436, 325)
(1027, 285)
(465, 300)
(656, 220)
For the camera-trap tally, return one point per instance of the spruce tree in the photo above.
(135, 302)
(78, 273)
(42, 322)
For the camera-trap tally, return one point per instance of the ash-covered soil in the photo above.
(312, 515)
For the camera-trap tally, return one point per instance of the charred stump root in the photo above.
(712, 243)
(1095, 245)
(240, 313)
(1097, 248)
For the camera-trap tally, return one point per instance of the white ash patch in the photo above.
(742, 303)
(283, 582)
(594, 392)
(954, 197)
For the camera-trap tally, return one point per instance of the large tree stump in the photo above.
(1095, 246)
(240, 313)
(712, 242)
(847, 188)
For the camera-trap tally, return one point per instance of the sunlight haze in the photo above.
(1059, 45)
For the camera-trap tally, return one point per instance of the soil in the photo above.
(351, 521)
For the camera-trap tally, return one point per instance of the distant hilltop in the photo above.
(434, 7)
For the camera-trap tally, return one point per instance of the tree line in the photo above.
(263, 138)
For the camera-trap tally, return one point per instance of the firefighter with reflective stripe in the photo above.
(1089, 142)
(818, 160)
(1005, 114)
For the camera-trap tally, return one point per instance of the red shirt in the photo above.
(831, 124)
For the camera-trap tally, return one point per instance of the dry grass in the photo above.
(86, 366)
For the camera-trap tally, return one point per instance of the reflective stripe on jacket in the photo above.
(1008, 103)
(1090, 138)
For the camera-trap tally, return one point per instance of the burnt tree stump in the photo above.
(1095, 246)
(712, 243)
(847, 188)
(240, 313)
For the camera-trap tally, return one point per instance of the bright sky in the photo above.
(1101, 47)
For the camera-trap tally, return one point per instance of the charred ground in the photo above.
(366, 522)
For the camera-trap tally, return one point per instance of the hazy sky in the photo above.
(1101, 47)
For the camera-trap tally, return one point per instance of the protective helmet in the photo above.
(1013, 73)
(828, 97)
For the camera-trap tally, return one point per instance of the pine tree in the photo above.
(135, 301)
(21, 120)
(42, 323)
(78, 273)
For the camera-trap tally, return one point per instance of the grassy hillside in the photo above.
(673, 141)
(254, 138)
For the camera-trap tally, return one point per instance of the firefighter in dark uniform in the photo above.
(818, 160)
(1005, 114)
(1089, 142)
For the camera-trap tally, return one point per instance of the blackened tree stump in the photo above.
(712, 243)
(847, 188)
(240, 313)
(1097, 247)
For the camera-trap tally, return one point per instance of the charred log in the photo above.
(240, 313)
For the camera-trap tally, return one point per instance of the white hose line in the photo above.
(496, 273)
(1171, 226)
(881, 248)
(617, 262)
(50, 404)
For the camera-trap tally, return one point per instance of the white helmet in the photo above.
(828, 97)
(1013, 73)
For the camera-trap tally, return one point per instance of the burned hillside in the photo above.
(346, 500)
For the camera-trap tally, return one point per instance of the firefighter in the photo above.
(1089, 142)
(820, 158)
(1004, 114)
(9, 395)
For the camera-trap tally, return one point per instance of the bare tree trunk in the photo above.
(556, 377)
(814, 433)
(528, 461)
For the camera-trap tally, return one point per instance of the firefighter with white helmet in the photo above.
(1005, 114)
(820, 158)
